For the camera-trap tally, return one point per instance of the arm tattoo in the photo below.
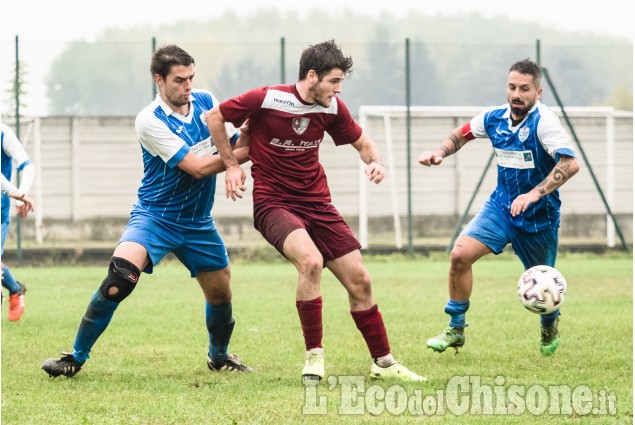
(445, 150)
(455, 142)
(561, 174)
(541, 187)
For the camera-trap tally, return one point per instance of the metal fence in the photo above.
(82, 136)
(89, 170)
(113, 79)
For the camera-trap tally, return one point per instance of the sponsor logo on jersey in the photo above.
(203, 148)
(290, 145)
(514, 159)
(300, 124)
(283, 101)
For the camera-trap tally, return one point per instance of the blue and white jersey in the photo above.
(525, 154)
(12, 150)
(166, 137)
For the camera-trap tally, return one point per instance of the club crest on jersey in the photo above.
(523, 134)
(300, 124)
(202, 117)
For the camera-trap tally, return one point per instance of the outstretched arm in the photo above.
(450, 145)
(369, 153)
(566, 167)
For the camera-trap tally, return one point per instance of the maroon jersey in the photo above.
(285, 135)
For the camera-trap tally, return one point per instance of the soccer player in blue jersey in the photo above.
(13, 152)
(535, 157)
(172, 214)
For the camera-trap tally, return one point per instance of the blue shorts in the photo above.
(199, 247)
(495, 229)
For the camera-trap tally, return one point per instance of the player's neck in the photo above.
(516, 119)
(181, 110)
(178, 109)
(303, 90)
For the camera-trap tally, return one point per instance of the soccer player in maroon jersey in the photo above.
(292, 201)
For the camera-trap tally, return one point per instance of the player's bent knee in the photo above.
(121, 280)
(459, 260)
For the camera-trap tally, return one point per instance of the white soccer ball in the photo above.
(542, 289)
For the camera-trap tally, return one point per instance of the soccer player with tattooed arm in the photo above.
(292, 201)
(535, 157)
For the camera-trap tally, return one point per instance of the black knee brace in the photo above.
(123, 276)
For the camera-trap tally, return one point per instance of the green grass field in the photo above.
(149, 367)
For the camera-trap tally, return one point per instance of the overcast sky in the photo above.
(73, 20)
(66, 20)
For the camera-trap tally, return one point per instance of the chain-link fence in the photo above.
(91, 92)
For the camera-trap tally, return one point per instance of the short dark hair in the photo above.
(528, 67)
(322, 58)
(168, 56)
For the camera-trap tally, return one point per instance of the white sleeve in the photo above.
(552, 134)
(27, 176)
(156, 138)
(12, 147)
(477, 124)
(7, 186)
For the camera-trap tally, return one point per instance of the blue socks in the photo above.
(9, 282)
(93, 324)
(220, 325)
(546, 320)
(218, 319)
(456, 310)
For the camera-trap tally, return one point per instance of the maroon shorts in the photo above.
(325, 226)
